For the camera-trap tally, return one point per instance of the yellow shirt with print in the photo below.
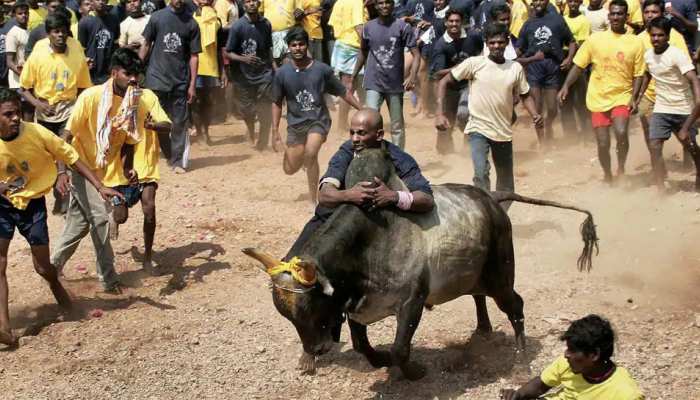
(54, 76)
(36, 17)
(519, 13)
(147, 151)
(30, 157)
(676, 40)
(280, 13)
(619, 386)
(346, 15)
(616, 60)
(312, 22)
(580, 27)
(209, 26)
(82, 124)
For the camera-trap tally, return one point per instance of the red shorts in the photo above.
(604, 119)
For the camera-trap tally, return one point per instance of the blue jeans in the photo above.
(502, 160)
(394, 101)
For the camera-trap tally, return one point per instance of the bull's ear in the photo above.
(325, 285)
(265, 259)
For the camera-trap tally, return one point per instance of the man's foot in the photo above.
(179, 170)
(152, 268)
(7, 338)
(61, 295)
(113, 227)
(115, 288)
(608, 178)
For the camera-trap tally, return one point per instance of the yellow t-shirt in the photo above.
(209, 25)
(346, 15)
(620, 386)
(280, 13)
(616, 60)
(36, 17)
(676, 40)
(580, 27)
(82, 124)
(30, 157)
(147, 151)
(634, 12)
(224, 11)
(519, 13)
(54, 76)
(312, 22)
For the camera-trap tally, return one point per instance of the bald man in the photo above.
(366, 131)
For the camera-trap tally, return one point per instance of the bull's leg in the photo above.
(360, 343)
(408, 319)
(512, 304)
(483, 322)
(307, 363)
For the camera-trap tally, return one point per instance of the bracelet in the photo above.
(405, 200)
(61, 172)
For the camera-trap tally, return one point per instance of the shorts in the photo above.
(279, 44)
(204, 81)
(297, 134)
(132, 194)
(344, 58)
(31, 222)
(645, 108)
(544, 74)
(662, 125)
(248, 97)
(604, 119)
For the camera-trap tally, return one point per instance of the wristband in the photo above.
(405, 200)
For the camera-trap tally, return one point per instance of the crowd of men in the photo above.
(103, 87)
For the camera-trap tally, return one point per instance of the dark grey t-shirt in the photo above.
(174, 37)
(248, 37)
(548, 34)
(385, 60)
(304, 89)
(99, 36)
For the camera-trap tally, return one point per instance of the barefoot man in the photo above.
(27, 172)
(303, 83)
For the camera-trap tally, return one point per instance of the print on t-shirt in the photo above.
(542, 36)
(172, 42)
(384, 55)
(305, 100)
(103, 39)
(249, 46)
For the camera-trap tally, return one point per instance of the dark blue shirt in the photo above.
(406, 167)
(99, 36)
(421, 10)
(385, 60)
(304, 91)
(4, 29)
(688, 9)
(447, 55)
(548, 34)
(248, 37)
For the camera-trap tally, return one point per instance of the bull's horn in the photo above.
(265, 259)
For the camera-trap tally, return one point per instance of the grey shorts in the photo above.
(297, 134)
(662, 125)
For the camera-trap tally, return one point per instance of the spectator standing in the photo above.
(99, 34)
(131, 29)
(15, 43)
(574, 109)
(208, 71)
(280, 13)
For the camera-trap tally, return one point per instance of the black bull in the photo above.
(371, 264)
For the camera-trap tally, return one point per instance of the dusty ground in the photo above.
(209, 329)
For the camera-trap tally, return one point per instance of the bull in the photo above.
(370, 264)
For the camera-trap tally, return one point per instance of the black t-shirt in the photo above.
(118, 11)
(99, 36)
(148, 7)
(174, 37)
(248, 37)
(448, 54)
(3, 62)
(548, 34)
(304, 90)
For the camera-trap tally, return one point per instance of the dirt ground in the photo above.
(208, 329)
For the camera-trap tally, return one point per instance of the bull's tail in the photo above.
(588, 232)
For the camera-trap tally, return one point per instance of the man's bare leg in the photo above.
(343, 107)
(538, 97)
(42, 265)
(691, 147)
(552, 108)
(602, 136)
(658, 167)
(314, 141)
(148, 205)
(6, 336)
(620, 125)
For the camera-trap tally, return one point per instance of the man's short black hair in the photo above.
(296, 33)
(498, 9)
(9, 95)
(20, 4)
(619, 3)
(453, 11)
(126, 59)
(495, 29)
(660, 23)
(658, 3)
(591, 334)
(56, 21)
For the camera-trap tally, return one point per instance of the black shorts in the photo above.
(132, 194)
(31, 222)
(544, 74)
(249, 96)
(297, 134)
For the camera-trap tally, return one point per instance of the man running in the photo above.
(677, 105)
(494, 83)
(617, 60)
(28, 157)
(382, 46)
(303, 83)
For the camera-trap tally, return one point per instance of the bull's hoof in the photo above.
(520, 343)
(413, 371)
(484, 330)
(307, 364)
(379, 359)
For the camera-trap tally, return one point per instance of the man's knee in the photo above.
(310, 160)
(120, 214)
(149, 214)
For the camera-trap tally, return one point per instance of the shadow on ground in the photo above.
(531, 230)
(213, 161)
